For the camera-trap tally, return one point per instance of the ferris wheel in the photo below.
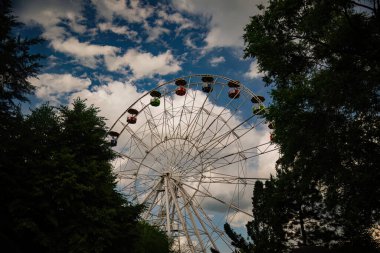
(188, 149)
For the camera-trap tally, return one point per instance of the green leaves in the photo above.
(322, 58)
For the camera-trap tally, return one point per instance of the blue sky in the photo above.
(93, 43)
(112, 52)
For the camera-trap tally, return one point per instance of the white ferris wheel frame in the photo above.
(174, 198)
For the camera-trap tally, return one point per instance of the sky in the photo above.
(112, 52)
(93, 43)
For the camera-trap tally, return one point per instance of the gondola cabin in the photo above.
(180, 91)
(258, 109)
(234, 93)
(234, 84)
(114, 135)
(207, 79)
(271, 137)
(155, 100)
(132, 119)
(180, 82)
(207, 88)
(257, 99)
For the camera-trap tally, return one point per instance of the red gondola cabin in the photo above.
(180, 91)
(234, 93)
(131, 119)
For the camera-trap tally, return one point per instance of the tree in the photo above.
(152, 239)
(58, 192)
(17, 64)
(322, 60)
(265, 229)
(67, 201)
(64, 193)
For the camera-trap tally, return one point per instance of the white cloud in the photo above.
(123, 30)
(131, 11)
(50, 13)
(87, 54)
(215, 61)
(189, 43)
(112, 98)
(144, 64)
(154, 32)
(228, 19)
(253, 71)
(55, 87)
(79, 49)
(176, 18)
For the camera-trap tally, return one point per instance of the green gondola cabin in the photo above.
(258, 109)
(155, 100)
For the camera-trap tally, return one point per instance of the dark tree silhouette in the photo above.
(322, 60)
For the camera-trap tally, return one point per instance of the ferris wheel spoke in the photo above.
(243, 158)
(179, 134)
(152, 205)
(139, 140)
(219, 116)
(193, 122)
(218, 139)
(153, 127)
(139, 162)
(187, 197)
(151, 193)
(221, 112)
(183, 222)
(217, 199)
(221, 166)
(194, 225)
(167, 121)
(198, 140)
(208, 115)
(224, 146)
(207, 223)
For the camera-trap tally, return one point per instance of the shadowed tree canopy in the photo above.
(63, 192)
(58, 192)
(322, 59)
(17, 64)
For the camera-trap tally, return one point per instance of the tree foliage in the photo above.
(17, 64)
(64, 197)
(58, 192)
(322, 60)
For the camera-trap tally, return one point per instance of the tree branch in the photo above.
(363, 5)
